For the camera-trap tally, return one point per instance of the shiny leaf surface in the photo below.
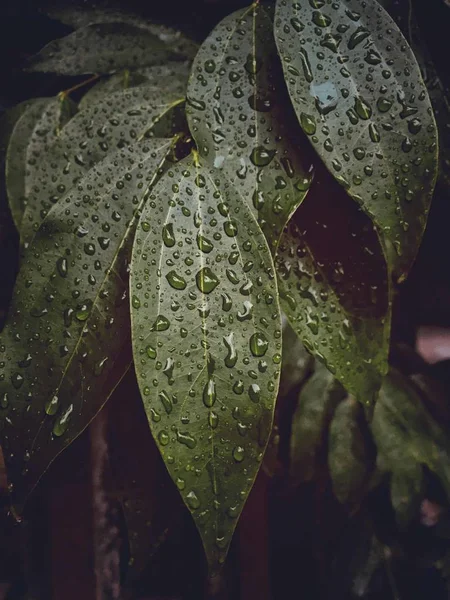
(358, 94)
(239, 115)
(170, 78)
(62, 347)
(115, 122)
(206, 333)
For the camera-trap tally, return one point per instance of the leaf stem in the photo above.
(65, 93)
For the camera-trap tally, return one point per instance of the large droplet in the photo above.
(204, 244)
(258, 344)
(161, 324)
(261, 157)
(61, 265)
(186, 439)
(61, 425)
(175, 280)
(206, 280)
(168, 235)
(231, 357)
(308, 123)
(209, 393)
(192, 500)
(51, 406)
(238, 453)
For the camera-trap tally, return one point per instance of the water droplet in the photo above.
(230, 228)
(176, 281)
(206, 280)
(61, 265)
(231, 357)
(161, 324)
(204, 244)
(261, 157)
(186, 439)
(17, 380)
(135, 302)
(258, 344)
(192, 500)
(362, 108)
(168, 235)
(247, 313)
(254, 392)
(308, 123)
(209, 393)
(210, 66)
(151, 352)
(383, 104)
(213, 419)
(4, 402)
(238, 453)
(357, 37)
(163, 438)
(165, 401)
(320, 19)
(61, 425)
(306, 65)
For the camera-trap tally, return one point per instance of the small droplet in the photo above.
(206, 280)
(168, 235)
(209, 393)
(61, 425)
(61, 265)
(258, 344)
(231, 357)
(238, 453)
(192, 500)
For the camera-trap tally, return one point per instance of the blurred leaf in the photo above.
(348, 455)
(206, 331)
(239, 115)
(316, 403)
(404, 431)
(82, 16)
(104, 48)
(63, 343)
(114, 122)
(170, 78)
(407, 489)
(333, 286)
(359, 95)
(297, 363)
(16, 156)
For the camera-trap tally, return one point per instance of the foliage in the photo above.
(289, 162)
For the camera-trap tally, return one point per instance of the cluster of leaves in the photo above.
(287, 164)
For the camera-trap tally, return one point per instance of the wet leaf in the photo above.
(171, 77)
(404, 431)
(358, 93)
(316, 403)
(407, 489)
(239, 115)
(62, 346)
(8, 121)
(206, 333)
(348, 454)
(104, 48)
(115, 122)
(82, 16)
(15, 165)
(334, 289)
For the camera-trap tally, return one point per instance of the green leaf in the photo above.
(171, 77)
(16, 157)
(316, 404)
(407, 490)
(118, 120)
(83, 16)
(239, 115)
(358, 93)
(348, 455)
(103, 48)
(206, 331)
(334, 287)
(404, 431)
(63, 344)
(8, 121)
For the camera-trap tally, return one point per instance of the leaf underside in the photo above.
(206, 333)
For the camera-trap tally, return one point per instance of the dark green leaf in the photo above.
(103, 48)
(206, 333)
(358, 93)
(16, 157)
(118, 120)
(407, 489)
(404, 431)
(240, 117)
(171, 78)
(63, 344)
(83, 16)
(333, 286)
(8, 121)
(348, 455)
(316, 404)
